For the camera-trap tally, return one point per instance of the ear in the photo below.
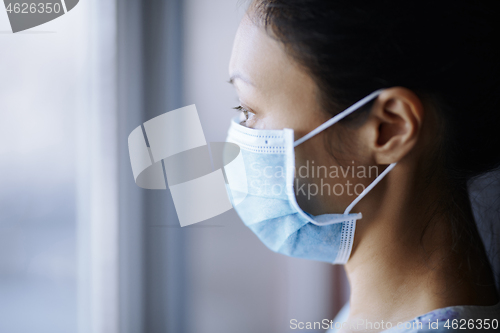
(396, 121)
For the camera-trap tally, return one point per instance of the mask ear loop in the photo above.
(337, 118)
(369, 187)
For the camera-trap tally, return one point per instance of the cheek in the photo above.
(349, 146)
(267, 120)
(326, 184)
(314, 179)
(276, 114)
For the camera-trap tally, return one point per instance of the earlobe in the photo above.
(398, 116)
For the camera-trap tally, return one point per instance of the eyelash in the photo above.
(242, 109)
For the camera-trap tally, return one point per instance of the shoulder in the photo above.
(453, 319)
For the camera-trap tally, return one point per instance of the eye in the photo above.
(246, 114)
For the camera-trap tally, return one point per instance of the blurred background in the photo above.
(82, 247)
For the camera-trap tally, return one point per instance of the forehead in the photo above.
(259, 59)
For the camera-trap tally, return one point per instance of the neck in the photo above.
(404, 266)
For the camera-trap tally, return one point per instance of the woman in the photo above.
(425, 75)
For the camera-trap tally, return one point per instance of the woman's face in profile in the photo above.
(417, 239)
(275, 93)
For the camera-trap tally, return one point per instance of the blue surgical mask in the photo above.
(260, 186)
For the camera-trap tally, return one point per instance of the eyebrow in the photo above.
(238, 75)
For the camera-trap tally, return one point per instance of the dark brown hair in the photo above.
(443, 49)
